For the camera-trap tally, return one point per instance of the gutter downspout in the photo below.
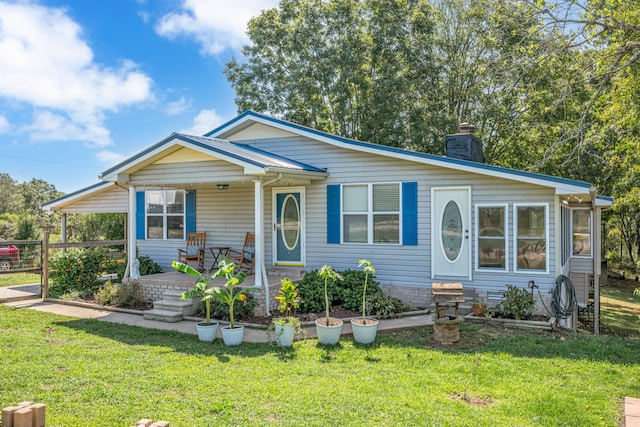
(259, 224)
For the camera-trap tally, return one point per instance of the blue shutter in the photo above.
(333, 213)
(409, 213)
(140, 215)
(190, 211)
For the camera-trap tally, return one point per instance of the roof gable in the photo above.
(182, 148)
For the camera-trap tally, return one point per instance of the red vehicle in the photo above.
(9, 256)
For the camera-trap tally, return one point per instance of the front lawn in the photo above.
(620, 308)
(95, 373)
(14, 279)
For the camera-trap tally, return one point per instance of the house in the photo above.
(313, 198)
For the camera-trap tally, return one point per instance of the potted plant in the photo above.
(328, 329)
(206, 330)
(364, 328)
(479, 307)
(288, 326)
(231, 334)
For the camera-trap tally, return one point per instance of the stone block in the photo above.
(7, 415)
(23, 417)
(38, 414)
(160, 424)
(144, 423)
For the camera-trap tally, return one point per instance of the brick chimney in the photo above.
(465, 145)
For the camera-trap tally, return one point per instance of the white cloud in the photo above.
(4, 124)
(205, 121)
(45, 62)
(110, 157)
(215, 25)
(177, 107)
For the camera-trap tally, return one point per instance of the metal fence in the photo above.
(20, 269)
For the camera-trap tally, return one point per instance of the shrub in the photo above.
(311, 291)
(517, 303)
(383, 306)
(79, 271)
(220, 310)
(346, 292)
(147, 266)
(126, 295)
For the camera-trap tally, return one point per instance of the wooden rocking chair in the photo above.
(244, 259)
(194, 252)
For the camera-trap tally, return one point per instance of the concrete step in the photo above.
(162, 315)
(184, 307)
(174, 296)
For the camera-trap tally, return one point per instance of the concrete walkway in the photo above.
(252, 333)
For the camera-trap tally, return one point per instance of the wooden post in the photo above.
(45, 265)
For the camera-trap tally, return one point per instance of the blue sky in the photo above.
(86, 83)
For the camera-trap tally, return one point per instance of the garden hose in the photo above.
(559, 308)
(564, 310)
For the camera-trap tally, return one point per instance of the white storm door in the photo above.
(451, 232)
(289, 226)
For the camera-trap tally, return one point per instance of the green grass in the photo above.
(95, 373)
(620, 309)
(13, 279)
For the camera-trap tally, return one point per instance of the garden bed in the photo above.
(535, 323)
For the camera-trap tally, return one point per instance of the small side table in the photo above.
(217, 252)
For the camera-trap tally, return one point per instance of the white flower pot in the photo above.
(328, 334)
(364, 333)
(232, 336)
(207, 332)
(285, 333)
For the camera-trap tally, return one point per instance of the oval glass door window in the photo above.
(290, 222)
(451, 231)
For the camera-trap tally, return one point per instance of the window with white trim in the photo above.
(581, 232)
(531, 237)
(165, 214)
(491, 237)
(371, 213)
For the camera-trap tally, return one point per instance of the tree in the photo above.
(9, 197)
(343, 66)
(405, 72)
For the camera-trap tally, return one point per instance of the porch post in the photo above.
(597, 266)
(259, 250)
(131, 241)
(64, 231)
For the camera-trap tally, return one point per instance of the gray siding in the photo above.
(188, 173)
(113, 200)
(406, 265)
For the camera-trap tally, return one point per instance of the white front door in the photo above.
(451, 232)
(288, 226)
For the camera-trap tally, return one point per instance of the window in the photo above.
(371, 213)
(581, 226)
(491, 235)
(531, 223)
(165, 214)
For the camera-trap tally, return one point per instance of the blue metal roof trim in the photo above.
(232, 121)
(139, 155)
(75, 193)
(208, 146)
(605, 198)
(305, 167)
(434, 157)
